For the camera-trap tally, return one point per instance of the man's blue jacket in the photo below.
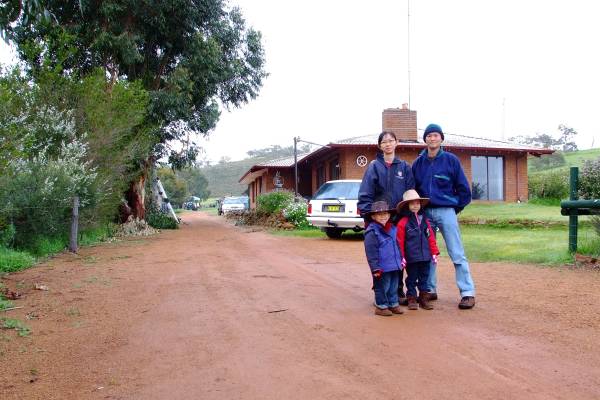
(383, 183)
(442, 180)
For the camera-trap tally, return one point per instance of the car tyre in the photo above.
(334, 233)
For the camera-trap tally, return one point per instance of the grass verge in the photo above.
(13, 260)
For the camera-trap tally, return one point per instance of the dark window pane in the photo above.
(479, 171)
(495, 178)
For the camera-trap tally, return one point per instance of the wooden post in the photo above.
(74, 225)
(573, 195)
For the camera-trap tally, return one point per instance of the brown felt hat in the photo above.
(409, 196)
(380, 206)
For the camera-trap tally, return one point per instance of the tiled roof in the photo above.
(450, 140)
(283, 162)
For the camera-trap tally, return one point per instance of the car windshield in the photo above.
(233, 200)
(338, 190)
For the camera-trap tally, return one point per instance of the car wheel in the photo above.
(334, 233)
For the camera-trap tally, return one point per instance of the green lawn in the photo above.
(524, 245)
(506, 241)
(504, 212)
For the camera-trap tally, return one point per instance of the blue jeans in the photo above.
(386, 289)
(417, 275)
(446, 220)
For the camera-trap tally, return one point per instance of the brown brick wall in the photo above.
(401, 121)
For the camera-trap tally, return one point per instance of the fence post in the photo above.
(573, 195)
(74, 225)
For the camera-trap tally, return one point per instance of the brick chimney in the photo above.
(401, 121)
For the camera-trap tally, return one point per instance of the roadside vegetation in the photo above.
(96, 109)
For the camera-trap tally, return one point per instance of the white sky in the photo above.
(336, 64)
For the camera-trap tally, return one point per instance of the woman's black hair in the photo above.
(382, 134)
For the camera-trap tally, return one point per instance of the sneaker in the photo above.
(396, 310)
(466, 303)
(412, 303)
(432, 296)
(384, 312)
(403, 301)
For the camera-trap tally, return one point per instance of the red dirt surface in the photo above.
(214, 311)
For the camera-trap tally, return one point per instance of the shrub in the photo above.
(160, 220)
(549, 185)
(589, 180)
(296, 214)
(273, 202)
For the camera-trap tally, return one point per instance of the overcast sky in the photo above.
(478, 68)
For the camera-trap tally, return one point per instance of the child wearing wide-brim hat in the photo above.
(411, 195)
(384, 258)
(418, 247)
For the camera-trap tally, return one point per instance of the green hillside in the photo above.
(572, 159)
(577, 158)
(223, 177)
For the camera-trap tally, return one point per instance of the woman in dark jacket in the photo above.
(387, 178)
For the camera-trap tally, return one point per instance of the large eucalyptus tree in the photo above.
(193, 56)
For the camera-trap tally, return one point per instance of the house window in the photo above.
(488, 178)
(334, 169)
(320, 175)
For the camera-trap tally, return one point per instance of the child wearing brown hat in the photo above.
(417, 244)
(384, 258)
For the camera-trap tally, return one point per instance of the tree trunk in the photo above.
(136, 195)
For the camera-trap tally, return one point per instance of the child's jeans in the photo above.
(417, 275)
(386, 289)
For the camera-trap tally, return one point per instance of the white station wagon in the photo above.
(334, 208)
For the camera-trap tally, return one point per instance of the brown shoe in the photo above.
(384, 312)
(403, 301)
(396, 310)
(424, 301)
(467, 303)
(432, 296)
(412, 303)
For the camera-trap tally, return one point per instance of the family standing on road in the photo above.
(403, 207)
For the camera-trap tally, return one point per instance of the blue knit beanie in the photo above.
(433, 128)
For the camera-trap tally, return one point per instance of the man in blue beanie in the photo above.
(440, 177)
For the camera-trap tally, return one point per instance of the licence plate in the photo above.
(333, 208)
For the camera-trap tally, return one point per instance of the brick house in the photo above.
(497, 170)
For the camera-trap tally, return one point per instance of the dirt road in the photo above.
(214, 311)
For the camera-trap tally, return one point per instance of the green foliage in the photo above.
(12, 260)
(160, 220)
(589, 180)
(553, 184)
(296, 214)
(196, 182)
(11, 323)
(7, 235)
(176, 188)
(547, 161)
(192, 56)
(273, 202)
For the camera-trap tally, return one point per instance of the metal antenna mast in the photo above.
(408, 48)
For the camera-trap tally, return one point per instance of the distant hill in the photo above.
(572, 159)
(223, 177)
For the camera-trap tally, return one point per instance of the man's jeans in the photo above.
(386, 289)
(446, 220)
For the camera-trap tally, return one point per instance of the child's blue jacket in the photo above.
(381, 247)
(442, 180)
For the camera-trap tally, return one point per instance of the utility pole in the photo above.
(296, 167)
(296, 140)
